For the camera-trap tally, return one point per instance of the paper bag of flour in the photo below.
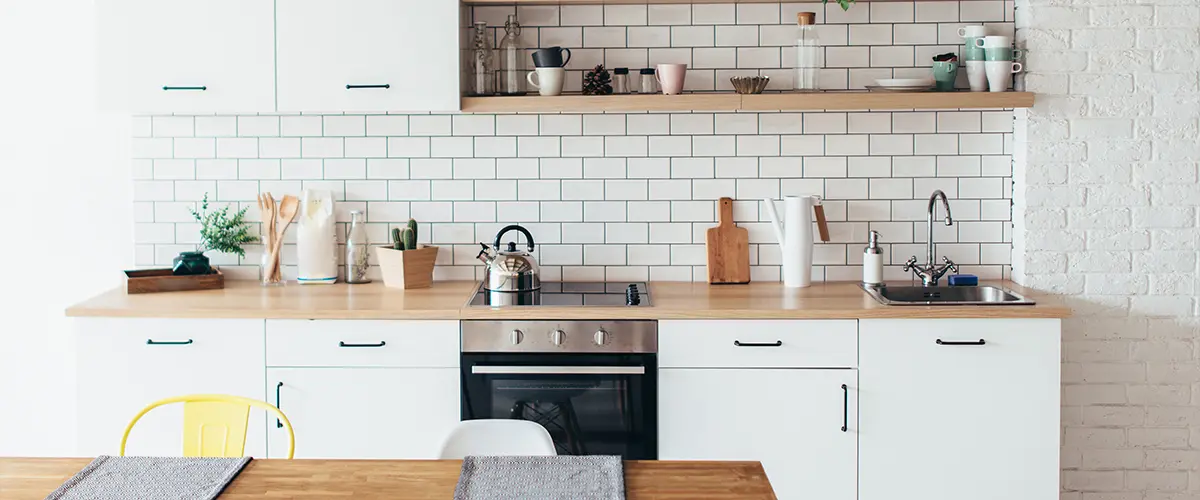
(316, 240)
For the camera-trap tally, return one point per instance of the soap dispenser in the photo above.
(872, 261)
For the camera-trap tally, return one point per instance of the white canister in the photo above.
(316, 240)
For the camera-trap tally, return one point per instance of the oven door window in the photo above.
(591, 405)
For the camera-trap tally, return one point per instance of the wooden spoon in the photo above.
(287, 212)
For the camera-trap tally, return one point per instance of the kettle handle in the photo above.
(514, 227)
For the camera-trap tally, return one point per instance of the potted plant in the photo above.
(844, 3)
(404, 263)
(219, 231)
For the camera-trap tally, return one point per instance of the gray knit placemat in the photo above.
(593, 477)
(151, 478)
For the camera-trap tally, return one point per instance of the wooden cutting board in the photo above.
(728, 248)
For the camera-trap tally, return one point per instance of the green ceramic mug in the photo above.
(1001, 54)
(971, 51)
(944, 75)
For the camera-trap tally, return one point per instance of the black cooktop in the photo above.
(569, 293)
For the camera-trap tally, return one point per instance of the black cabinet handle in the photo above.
(201, 88)
(777, 343)
(278, 424)
(956, 342)
(377, 86)
(380, 344)
(845, 408)
(168, 342)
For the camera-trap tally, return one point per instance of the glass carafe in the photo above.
(511, 77)
(481, 67)
(357, 251)
(808, 54)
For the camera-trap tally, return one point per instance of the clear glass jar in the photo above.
(481, 66)
(620, 80)
(357, 250)
(648, 84)
(511, 76)
(808, 54)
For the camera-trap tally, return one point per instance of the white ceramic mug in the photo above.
(670, 77)
(549, 80)
(999, 74)
(976, 75)
(973, 31)
(993, 41)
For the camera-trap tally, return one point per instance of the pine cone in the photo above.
(597, 82)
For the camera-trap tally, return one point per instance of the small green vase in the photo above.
(190, 263)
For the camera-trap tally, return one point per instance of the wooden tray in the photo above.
(161, 280)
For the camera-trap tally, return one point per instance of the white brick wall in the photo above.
(1106, 197)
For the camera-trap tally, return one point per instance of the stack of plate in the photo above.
(902, 85)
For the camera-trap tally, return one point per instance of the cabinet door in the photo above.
(790, 420)
(368, 55)
(364, 412)
(946, 421)
(188, 56)
(126, 364)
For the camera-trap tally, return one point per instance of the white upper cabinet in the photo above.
(187, 56)
(368, 55)
(959, 408)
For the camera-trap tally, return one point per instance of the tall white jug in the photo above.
(795, 237)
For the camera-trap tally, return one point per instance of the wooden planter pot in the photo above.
(408, 268)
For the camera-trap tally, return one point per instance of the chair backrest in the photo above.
(497, 437)
(214, 425)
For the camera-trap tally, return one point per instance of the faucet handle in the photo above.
(911, 264)
(950, 265)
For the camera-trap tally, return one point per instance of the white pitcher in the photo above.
(795, 235)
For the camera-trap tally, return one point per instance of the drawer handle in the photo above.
(380, 344)
(376, 86)
(777, 343)
(845, 407)
(168, 342)
(958, 342)
(278, 405)
(201, 88)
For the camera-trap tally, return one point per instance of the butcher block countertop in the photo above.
(34, 478)
(448, 299)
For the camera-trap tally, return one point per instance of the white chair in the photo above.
(497, 437)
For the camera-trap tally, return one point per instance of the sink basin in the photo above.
(946, 296)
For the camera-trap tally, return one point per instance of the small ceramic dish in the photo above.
(904, 82)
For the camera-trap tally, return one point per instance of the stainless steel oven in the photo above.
(592, 384)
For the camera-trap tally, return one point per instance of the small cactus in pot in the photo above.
(404, 264)
(406, 238)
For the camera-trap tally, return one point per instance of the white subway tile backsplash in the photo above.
(669, 14)
(173, 126)
(624, 15)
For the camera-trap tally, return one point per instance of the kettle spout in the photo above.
(483, 255)
(776, 224)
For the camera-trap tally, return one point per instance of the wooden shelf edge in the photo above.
(638, 2)
(825, 101)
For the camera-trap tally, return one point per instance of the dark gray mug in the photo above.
(551, 57)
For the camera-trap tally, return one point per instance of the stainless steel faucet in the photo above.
(930, 273)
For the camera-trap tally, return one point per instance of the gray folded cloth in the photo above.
(593, 477)
(151, 478)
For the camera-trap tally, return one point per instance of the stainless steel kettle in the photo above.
(510, 269)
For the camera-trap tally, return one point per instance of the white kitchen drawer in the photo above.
(415, 344)
(758, 344)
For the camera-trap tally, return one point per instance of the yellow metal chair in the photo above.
(214, 425)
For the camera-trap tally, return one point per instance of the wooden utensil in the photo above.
(288, 207)
(728, 248)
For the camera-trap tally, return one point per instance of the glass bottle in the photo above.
(357, 250)
(808, 54)
(620, 80)
(649, 84)
(511, 76)
(481, 69)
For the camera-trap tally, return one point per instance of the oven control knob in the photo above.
(517, 336)
(557, 337)
(601, 337)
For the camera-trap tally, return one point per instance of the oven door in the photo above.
(592, 404)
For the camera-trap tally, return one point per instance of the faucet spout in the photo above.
(932, 212)
(930, 273)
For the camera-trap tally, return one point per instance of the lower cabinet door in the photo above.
(959, 408)
(790, 420)
(363, 412)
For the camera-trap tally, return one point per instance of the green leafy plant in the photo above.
(844, 3)
(406, 238)
(221, 231)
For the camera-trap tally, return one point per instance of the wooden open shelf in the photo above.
(638, 2)
(728, 101)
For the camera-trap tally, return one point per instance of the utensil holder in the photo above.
(407, 269)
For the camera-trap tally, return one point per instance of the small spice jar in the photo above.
(620, 80)
(649, 85)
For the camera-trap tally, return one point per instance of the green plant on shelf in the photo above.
(844, 3)
(221, 231)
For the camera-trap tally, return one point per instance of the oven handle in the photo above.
(559, 370)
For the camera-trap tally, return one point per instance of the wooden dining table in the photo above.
(34, 478)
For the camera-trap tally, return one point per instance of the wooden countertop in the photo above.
(34, 478)
(447, 300)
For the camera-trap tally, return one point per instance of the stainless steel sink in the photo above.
(946, 296)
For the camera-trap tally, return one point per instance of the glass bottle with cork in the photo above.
(809, 54)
